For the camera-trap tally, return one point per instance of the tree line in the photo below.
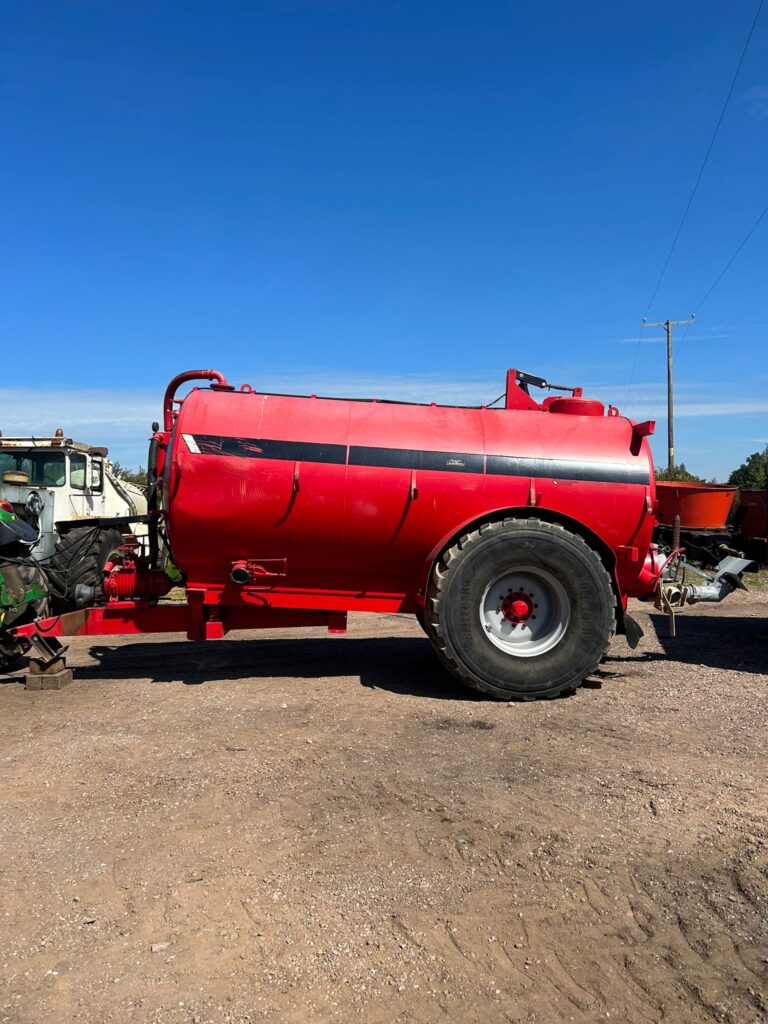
(751, 475)
(133, 476)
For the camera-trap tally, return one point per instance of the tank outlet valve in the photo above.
(257, 572)
(240, 573)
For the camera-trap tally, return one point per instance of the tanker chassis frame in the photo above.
(201, 617)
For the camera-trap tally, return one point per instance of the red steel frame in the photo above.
(197, 620)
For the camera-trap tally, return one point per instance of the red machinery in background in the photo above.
(751, 525)
(514, 534)
(701, 518)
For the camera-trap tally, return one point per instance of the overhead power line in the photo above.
(709, 291)
(706, 156)
(727, 266)
(722, 274)
(694, 189)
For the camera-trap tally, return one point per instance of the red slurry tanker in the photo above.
(514, 534)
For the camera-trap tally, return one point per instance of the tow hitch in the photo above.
(681, 584)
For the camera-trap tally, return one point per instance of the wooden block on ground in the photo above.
(48, 681)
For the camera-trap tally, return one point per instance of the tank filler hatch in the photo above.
(519, 383)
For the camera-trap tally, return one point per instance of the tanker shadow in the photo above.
(713, 641)
(399, 664)
(402, 665)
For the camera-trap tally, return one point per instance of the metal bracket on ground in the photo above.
(47, 668)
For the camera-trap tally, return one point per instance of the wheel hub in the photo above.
(517, 607)
(525, 611)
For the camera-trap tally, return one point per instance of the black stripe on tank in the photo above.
(566, 469)
(415, 458)
(265, 448)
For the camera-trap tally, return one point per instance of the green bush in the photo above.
(679, 474)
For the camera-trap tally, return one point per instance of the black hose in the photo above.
(152, 504)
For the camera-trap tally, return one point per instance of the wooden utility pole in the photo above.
(668, 325)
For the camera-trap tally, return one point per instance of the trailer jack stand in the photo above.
(47, 665)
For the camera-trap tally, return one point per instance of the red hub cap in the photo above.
(517, 607)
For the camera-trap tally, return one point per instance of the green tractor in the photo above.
(23, 587)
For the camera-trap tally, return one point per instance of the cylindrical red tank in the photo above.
(333, 496)
(700, 506)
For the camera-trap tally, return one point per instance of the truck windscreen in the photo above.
(42, 468)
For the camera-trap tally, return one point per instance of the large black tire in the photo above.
(79, 557)
(11, 658)
(18, 577)
(550, 575)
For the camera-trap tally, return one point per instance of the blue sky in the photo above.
(380, 198)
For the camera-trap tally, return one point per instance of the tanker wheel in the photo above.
(520, 609)
(79, 557)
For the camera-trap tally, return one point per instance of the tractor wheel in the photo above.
(79, 557)
(10, 658)
(520, 609)
(12, 651)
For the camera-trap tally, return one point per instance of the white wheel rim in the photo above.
(525, 612)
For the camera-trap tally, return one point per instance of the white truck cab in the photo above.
(58, 484)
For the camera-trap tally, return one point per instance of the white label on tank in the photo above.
(191, 443)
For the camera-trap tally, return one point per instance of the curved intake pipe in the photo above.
(182, 378)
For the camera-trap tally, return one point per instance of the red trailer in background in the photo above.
(514, 534)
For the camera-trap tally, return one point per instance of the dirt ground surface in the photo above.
(330, 828)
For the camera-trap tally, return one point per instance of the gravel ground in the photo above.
(332, 829)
